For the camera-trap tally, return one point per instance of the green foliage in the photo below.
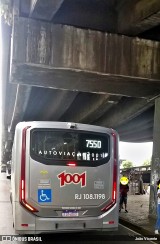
(127, 164)
(6, 11)
(147, 162)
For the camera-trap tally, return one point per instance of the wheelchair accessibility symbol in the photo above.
(44, 195)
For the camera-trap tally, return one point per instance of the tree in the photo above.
(147, 162)
(127, 164)
(6, 11)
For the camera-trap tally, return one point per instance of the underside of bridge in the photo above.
(94, 62)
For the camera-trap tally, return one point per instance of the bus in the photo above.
(65, 177)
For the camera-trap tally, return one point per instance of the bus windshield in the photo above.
(63, 145)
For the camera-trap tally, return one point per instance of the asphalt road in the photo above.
(123, 235)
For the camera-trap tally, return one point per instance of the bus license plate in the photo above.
(70, 213)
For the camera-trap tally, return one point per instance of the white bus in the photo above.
(64, 177)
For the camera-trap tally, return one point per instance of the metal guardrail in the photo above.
(136, 169)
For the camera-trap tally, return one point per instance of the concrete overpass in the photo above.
(94, 61)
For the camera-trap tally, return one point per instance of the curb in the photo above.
(135, 227)
(140, 230)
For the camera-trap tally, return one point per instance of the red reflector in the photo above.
(71, 164)
(23, 173)
(106, 208)
(111, 222)
(114, 191)
(25, 225)
(29, 207)
(114, 185)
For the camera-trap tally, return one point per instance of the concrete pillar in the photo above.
(155, 167)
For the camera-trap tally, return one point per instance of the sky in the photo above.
(135, 152)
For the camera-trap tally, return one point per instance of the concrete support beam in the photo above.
(142, 134)
(92, 14)
(101, 107)
(155, 166)
(59, 104)
(5, 42)
(81, 114)
(11, 92)
(52, 104)
(125, 110)
(135, 17)
(140, 121)
(137, 130)
(65, 57)
(21, 101)
(44, 10)
(147, 138)
(25, 7)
